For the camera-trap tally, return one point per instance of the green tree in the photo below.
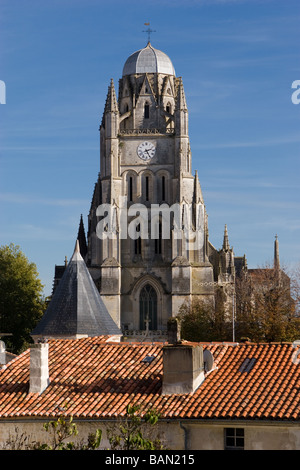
(21, 301)
(196, 322)
(204, 322)
(62, 430)
(134, 432)
(60, 433)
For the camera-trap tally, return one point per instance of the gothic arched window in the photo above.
(148, 308)
(146, 111)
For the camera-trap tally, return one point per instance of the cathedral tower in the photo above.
(148, 249)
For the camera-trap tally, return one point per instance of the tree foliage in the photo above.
(205, 322)
(21, 301)
(61, 430)
(295, 286)
(60, 434)
(134, 432)
(267, 305)
(266, 308)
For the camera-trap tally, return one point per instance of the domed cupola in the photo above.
(148, 60)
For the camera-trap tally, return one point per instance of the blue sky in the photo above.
(238, 60)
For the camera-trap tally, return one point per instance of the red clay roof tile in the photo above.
(97, 379)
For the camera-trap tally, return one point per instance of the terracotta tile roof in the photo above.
(96, 379)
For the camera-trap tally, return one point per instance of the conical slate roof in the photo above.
(76, 307)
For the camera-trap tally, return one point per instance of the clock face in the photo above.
(146, 151)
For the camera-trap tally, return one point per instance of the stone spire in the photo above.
(276, 254)
(76, 308)
(226, 246)
(198, 197)
(82, 239)
(111, 101)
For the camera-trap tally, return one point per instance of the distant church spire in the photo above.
(82, 239)
(276, 253)
(225, 240)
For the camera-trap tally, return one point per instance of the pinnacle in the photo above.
(111, 100)
(198, 197)
(225, 240)
(181, 101)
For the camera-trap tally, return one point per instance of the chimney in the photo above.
(2, 353)
(174, 330)
(183, 365)
(39, 371)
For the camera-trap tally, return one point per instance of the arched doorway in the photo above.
(148, 308)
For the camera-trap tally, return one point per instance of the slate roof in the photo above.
(76, 307)
(95, 379)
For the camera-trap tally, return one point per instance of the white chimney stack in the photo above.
(183, 364)
(39, 370)
(2, 353)
(183, 368)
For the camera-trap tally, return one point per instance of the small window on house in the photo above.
(146, 111)
(234, 438)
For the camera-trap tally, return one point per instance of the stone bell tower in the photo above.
(148, 248)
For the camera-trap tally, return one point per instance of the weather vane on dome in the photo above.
(149, 31)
